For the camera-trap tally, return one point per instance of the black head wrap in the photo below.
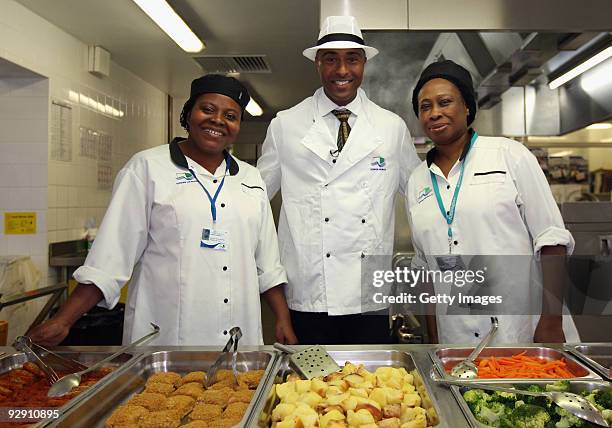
(216, 84)
(455, 74)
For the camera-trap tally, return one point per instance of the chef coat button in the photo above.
(224, 267)
(363, 220)
(448, 186)
(222, 205)
(476, 334)
(327, 255)
(215, 180)
(447, 212)
(334, 160)
(362, 256)
(225, 300)
(456, 242)
(225, 332)
(326, 219)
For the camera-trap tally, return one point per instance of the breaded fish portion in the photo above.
(125, 415)
(216, 396)
(149, 400)
(205, 412)
(181, 404)
(193, 377)
(195, 424)
(165, 377)
(242, 396)
(160, 388)
(251, 378)
(192, 389)
(235, 410)
(160, 419)
(223, 422)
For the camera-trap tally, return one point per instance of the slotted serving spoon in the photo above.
(311, 362)
(467, 369)
(70, 381)
(573, 403)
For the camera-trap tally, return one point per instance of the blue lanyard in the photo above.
(213, 199)
(450, 216)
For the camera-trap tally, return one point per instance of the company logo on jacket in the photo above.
(378, 164)
(424, 194)
(184, 177)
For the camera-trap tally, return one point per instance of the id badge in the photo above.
(450, 262)
(214, 239)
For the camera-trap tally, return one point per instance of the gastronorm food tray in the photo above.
(262, 411)
(88, 358)
(575, 386)
(93, 412)
(448, 357)
(597, 356)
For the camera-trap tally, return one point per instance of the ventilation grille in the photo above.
(234, 64)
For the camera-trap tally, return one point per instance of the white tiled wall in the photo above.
(69, 190)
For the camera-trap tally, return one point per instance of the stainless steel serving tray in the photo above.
(88, 358)
(449, 356)
(262, 410)
(575, 386)
(93, 412)
(597, 356)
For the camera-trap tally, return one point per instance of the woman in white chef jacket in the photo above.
(191, 226)
(479, 195)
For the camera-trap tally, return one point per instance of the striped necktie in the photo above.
(345, 128)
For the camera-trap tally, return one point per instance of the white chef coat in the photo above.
(151, 233)
(505, 207)
(335, 211)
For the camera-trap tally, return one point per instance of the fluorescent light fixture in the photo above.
(597, 79)
(172, 24)
(253, 108)
(599, 126)
(86, 101)
(581, 68)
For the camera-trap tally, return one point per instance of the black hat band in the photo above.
(340, 37)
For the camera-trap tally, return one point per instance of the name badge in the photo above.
(450, 262)
(214, 239)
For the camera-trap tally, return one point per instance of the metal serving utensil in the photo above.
(235, 335)
(467, 369)
(573, 403)
(311, 362)
(68, 382)
(24, 344)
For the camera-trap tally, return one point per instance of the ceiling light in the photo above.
(172, 24)
(581, 68)
(253, 108)
(597, 79)
(599, 126)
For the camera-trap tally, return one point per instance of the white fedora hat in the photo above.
(340, 32)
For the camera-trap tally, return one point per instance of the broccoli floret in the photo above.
(560, 385)
(568, 420)
(504, 397)
(529, 416)
(490, 413)
(607, 414)
(604, 399)
(537, 401)
(518, 403)
(475, 395)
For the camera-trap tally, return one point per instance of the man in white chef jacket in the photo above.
(339, 160)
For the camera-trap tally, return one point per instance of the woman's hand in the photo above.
(549, 330)
(284, 332)
(50, 333)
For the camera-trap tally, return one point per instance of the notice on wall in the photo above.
(61, 132)
(88, 141)
(21, 223)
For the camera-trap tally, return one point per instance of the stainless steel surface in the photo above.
(235, 335)
(371, 359)
(597, 356)
(67, 383)
(311, 362)
(67, 253)
(466, 369)
(86, 356)
(92, 412)
(24, 344)
(445, 358)
(575, 387)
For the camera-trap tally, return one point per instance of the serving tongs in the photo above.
(573, 403)
(467, 369)
(235, 335)
(46, 359)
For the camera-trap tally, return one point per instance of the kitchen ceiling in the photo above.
(278, 29)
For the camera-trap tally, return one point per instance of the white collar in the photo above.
(325, 105)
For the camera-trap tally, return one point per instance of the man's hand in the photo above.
(549, 330)
(284, 332)
(49, 333)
